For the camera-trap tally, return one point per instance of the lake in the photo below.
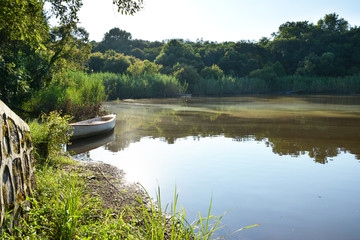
(288, 163)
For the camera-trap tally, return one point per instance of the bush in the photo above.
(49, 135)
(77, 94)
(212, 72)
(96, 62)
(115, 62)
(46, 99)
(143, 67)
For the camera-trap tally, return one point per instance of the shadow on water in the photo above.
(86, 144)
(319, 126)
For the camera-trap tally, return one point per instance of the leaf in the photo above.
(255, 225)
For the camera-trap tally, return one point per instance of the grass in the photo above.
(157, 225)
(61, 209)
(122, 86)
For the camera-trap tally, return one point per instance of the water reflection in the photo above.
(319, 126)
(86, 144)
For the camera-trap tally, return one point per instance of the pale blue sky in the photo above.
(213, 20)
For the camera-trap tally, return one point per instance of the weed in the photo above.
(49, 135)
(156, 224)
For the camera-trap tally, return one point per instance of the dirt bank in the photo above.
(108, 183)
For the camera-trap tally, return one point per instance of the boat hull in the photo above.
(92, 127)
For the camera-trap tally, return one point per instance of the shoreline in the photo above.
(108, 183)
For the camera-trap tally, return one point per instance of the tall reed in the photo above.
(140, 86)
(159, 223)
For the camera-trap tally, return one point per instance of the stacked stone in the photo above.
(16, 167)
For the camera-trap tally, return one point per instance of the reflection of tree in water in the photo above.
(320, 153)
(320, 138)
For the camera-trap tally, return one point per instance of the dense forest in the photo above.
(45, 68)
(300, 57)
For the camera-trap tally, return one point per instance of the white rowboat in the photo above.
(92, 126)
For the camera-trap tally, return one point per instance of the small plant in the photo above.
(83, 111)
(50, 134)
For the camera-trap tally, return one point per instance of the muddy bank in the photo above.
(108, 183)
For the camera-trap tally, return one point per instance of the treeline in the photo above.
(80, 94)
(301, 56)
(44, 68)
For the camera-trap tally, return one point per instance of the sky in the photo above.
(210, 20)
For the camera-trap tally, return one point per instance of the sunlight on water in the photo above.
(290, 164)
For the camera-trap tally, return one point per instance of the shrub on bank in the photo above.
(77, 94)
(48, 135)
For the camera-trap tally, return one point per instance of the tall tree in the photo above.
(22, 27)
(332, 23)
(175, 51)
(299, 30)
(115, 39)
(27, 49)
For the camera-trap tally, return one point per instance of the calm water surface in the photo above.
(290, 164)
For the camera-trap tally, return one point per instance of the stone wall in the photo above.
(16, 167)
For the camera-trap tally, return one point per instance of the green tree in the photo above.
(22, 20)
(213, 53)
(299, 30)
(143, 67)
(234, 63)
(187, 75)
(96, 62)
(269, 74)
(309, 65)
(69, 48)
(288, 52)
(22, 27)
(314, 65)
(29, 53)
(175, 52)
(212, 72)
(115, 62)
(138, 53)
(332, 23)
(117, 40)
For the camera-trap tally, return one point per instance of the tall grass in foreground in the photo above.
(159, 225)
(61, 209)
